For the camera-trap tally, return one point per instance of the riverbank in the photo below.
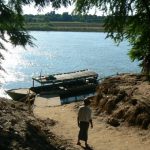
(20, 129)
(120, 114)
(65, 26)
(102, 137)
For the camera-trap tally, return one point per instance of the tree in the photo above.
(66, 17)
(126, 19)
(12, 21)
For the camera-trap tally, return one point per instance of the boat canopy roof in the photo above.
(62, 77)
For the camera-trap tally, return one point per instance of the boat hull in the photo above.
(18, 94)
(65, 91)
(21, 94)
(64, 84)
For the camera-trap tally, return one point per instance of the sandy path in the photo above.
(101, 137)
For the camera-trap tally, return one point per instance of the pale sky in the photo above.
(32, 10)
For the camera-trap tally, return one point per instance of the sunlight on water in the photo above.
(57, 52)
(13, 61)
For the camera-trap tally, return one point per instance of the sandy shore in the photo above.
(101, 137)
(121, 117)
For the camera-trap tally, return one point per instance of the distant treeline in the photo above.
(64, 22)
(65, 17)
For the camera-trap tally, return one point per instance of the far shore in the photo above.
(65, 26)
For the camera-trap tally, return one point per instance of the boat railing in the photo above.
(90, 78)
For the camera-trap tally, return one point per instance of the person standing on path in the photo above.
(84, 119)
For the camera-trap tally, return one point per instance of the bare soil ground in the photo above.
(20, 130)
(121, 117)
(120, 114)
(102, 137)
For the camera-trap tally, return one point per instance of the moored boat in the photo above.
(64, 85)
(19, 94)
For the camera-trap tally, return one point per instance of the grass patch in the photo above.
(65, 26)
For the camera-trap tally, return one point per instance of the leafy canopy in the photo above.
(129, 19)
(12, 21)
(126, 19)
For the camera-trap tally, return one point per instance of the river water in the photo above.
(57, 52)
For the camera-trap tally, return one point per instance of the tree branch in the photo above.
(147, 8)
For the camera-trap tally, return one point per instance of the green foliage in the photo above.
(12, 21)
(129, 19)
(64, 26)
(11, 24)
(64, 22)
(52, 16)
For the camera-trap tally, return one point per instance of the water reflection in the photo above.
(58, 52)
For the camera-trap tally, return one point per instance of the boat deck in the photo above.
(63, 84)
(65, 77)
(21, 90)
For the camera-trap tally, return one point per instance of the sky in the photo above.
(32, 10)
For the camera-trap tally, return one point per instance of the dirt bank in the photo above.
(20, 130)
(121, 117)
(118, 98)
(124, 99)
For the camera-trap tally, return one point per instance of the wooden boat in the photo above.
(64, 84)
(67, 78)
(19, 94)
(64, 91)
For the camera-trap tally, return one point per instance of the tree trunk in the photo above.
(146, 65)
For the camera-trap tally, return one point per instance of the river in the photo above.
(57, 52)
